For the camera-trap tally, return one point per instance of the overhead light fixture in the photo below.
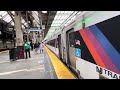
(44, 11)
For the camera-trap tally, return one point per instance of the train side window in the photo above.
(72, 39)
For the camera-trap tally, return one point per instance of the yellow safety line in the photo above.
(4, 51)
(61, 70)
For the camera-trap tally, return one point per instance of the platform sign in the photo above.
(34, 29)
(78, 52)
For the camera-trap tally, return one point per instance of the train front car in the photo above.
(97, 45)
(90, 46)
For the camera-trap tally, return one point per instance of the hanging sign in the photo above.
(34, 29)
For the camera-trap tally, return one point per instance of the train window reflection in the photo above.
(72, 39)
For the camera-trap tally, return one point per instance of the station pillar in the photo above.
(19, 48)
(34, 37)
(18, 27)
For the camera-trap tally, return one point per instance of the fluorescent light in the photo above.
(44, 11)
(12, 23)
(13, 12)
(22, 26)
(4, 13)
(7, 18)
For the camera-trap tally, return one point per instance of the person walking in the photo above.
(41, 47)
(27, 48)
(37, 46)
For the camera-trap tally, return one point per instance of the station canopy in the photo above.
(8, 16)
(61, 19)
(49, 21)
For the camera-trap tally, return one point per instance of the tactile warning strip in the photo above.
(4, 51)
(61, 70)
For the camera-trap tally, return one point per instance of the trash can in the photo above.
(16, 53)
(13, 54)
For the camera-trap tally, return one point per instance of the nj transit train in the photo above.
(90, 45)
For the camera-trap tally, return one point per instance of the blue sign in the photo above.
(78, 52)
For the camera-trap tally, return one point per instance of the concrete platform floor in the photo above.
(38, 66)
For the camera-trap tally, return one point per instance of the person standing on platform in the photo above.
(37, 46)
(27, 48)
(41, 47)
(31, 44)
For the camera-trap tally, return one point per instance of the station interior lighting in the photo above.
(62, 18)
(44, 11)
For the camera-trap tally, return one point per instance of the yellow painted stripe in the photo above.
(61, 70)
(4, 51)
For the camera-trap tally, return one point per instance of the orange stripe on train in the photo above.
(93, 52)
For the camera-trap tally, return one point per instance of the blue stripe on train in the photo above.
(110, 50)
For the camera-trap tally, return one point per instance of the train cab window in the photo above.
(72, 39)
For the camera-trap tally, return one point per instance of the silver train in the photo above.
(7, 35)
(90, 45)
(8, 44)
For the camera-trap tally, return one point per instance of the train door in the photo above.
(64, 55)
(71, 60)
(59, 46)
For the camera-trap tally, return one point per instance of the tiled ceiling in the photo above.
(61, 19)
(8, 17)
(52, 21)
